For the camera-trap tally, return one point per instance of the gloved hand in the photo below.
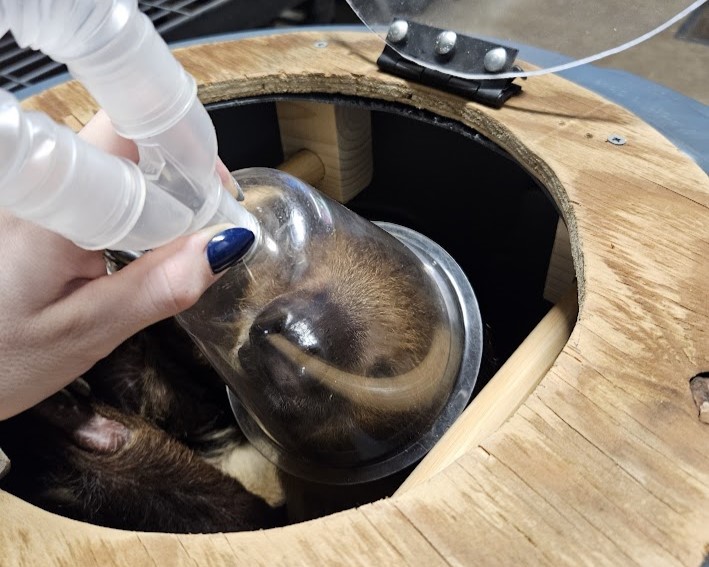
(61, 312)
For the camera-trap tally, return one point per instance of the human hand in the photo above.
(61, 312)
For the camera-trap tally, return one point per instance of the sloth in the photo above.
(128, 445)
(339, 343)
(334, 357)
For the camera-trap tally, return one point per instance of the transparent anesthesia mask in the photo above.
(582, 30)
(348, 348)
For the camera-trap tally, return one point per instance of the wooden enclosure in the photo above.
(605, 461)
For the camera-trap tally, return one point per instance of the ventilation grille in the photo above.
(20, 68)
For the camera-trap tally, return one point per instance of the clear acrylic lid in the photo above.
(438, 33)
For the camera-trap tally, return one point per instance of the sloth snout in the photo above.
(314, 322)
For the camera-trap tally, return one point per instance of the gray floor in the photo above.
(668, 59)
(680, 64)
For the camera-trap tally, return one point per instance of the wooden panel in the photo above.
(606, 462)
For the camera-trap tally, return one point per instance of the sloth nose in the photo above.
(313, 322)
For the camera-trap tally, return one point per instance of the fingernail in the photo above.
(228, 247)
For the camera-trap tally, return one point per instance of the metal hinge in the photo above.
(455, 51)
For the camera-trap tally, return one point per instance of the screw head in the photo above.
(616, 140)
(397, 31)
(495, 60)
(445, 42)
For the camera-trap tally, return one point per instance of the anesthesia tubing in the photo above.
(51, 177)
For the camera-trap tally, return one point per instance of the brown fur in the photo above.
(368, 307)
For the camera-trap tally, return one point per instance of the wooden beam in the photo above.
(606, 463)
(306, 166)
(341, 136)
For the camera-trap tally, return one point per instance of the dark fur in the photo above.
(123, 448)
(380, 334)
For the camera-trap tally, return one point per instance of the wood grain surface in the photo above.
(504, 393)
(341, 136)
(606, 461)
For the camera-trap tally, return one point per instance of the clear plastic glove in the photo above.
(61, 312)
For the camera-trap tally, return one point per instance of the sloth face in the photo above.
(334, 343)
(312, 354)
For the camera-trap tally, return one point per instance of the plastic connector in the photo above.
(52, 177)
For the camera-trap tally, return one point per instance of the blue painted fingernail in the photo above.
(228, 247)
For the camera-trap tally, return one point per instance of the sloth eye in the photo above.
(313, 350)
(320, 296)
(382, 367)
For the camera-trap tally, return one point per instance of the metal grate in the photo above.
(20, 68)
(169, 14)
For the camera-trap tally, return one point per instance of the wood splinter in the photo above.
(4, 464)
(699, 385)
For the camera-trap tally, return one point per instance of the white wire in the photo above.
(564, 66)
(607, 52)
